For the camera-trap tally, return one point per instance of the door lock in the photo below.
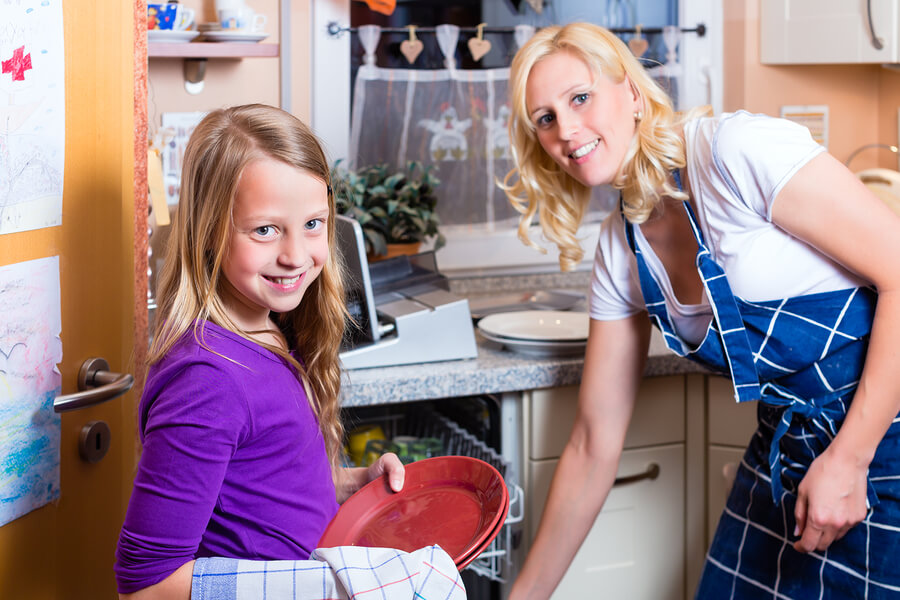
(93, 443)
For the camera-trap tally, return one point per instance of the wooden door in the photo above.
(65, 550)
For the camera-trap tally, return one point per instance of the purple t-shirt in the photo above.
(233, 462)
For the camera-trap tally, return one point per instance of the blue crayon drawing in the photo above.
(30, 349)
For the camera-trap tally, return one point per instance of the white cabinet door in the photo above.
(722, 463)
(828, 31)
(730, 423)
(636, 548)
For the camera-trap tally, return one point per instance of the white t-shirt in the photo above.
(737, 164)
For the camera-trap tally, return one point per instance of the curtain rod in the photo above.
(335, 29)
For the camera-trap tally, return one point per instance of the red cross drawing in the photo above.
(18, 64)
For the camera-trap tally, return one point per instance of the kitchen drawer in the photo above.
(635, 548)
(658, 417)
(730, 423)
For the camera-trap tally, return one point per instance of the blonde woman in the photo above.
(756, 254)
(239, 418)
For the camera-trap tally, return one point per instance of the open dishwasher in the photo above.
(466, 426)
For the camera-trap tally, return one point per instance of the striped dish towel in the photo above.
(342, 573)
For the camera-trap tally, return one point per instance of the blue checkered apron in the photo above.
(801, 358)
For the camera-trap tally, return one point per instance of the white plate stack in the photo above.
(541, 333)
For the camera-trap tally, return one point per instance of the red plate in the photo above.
(453, 501)
(464, 561)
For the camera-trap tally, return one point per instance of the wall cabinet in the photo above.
(650, 539)
(829, 31)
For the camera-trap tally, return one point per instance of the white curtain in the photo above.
(451, 118)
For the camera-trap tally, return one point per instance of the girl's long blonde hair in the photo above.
(189, 286)
(542, 187)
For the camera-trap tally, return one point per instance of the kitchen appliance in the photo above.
(402, 309)
(467, 426)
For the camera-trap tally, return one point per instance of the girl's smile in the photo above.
(278, 243)
(584, 122)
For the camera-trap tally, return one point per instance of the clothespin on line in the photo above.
(479, 46)
(412, 47)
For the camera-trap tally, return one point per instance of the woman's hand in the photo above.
(831, 499)
(388, 465)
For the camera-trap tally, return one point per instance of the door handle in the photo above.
(96, 384)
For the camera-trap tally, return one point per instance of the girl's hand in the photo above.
(388, 465)
(830, 500)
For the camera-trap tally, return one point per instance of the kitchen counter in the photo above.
(495, 370)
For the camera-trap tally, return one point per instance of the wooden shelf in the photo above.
(211, 50)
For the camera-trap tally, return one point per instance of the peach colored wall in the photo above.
(862, 99)
(236, 81)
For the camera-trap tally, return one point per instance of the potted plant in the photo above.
(393, 208)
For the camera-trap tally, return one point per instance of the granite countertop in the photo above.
(495, 369)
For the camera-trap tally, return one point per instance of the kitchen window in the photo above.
(480, 229)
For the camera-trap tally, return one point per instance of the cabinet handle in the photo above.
(876, 41)
(652, 472)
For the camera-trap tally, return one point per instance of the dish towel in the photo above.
(341, 573)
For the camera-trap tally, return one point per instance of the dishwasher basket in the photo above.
(423, 421)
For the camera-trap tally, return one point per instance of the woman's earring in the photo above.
(638, 115)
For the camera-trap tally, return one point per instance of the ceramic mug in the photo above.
(169, 17)
(242, 18)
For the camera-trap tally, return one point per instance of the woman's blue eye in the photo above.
(580, 98)
(545, 119)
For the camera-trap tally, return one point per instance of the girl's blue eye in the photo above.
(264, 231)
(314, 224)
(580, 98)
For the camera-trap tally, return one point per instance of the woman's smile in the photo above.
(584, 151)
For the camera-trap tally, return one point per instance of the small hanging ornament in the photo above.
(638, 44)
(479, 46)
(412, 47)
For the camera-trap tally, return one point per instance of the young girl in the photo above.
(759, 256)
(239, 418)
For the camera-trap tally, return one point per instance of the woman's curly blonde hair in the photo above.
(189, 286)
(538, 185)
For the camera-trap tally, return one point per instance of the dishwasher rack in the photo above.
(424, 421)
